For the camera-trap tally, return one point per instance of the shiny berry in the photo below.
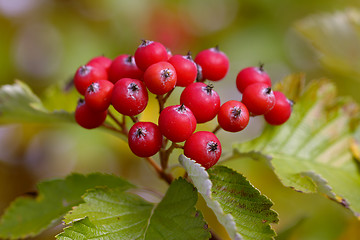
(177, 123)
(281, 111)
(251, 75)
(88, 118)
(204, 148)
(233, 116)
(148, 53)
(214, 64)
(144, 139)
(124, 66)
(129, 96)
(102, 61)
(186, 69)
(87, 74)
(203, 101)
(98, 95)
(160, 78)
(258, 98)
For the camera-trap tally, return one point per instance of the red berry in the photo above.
(87, 74)
(214, 63)
(203, 147)
(88, 118)
(233, 116)
(160, 78)
(124, 66)
(102, 61)
(129, 96)
(203, 101)
(98, 95)
(258, 98)
(177, 123)
(186, 69)
(148, 53)
(251, 75)
(281, 111)
(144, 139)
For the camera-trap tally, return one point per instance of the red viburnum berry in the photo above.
(87, 117)
(204, 148)
(160, 78)
(144, 139)
(129, 96)
(177, 123)
(281, 111)
(203, 101)
(148, 53)
(214, 63)
(251, 75)
(98, 95)
(124, 66)
(233, 116)
(258, 98)
(102, 61)
(186, 69)
(87, 74)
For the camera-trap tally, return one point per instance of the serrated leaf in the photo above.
(28, 216)
(336, 38)
(112, 214)
(18, 104)
(312, 151)
(238, 206)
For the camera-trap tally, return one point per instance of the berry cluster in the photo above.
(125, 82)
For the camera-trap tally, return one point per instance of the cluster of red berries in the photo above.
(125, 81)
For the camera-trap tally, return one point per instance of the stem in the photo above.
(168, 95)
(216, 129)
(112, 128)
(161, 101)
(134, 119)
(214, 236)
(167, 177)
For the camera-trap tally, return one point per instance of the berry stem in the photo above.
(134, 119)
(161, 101)
(112, 128)
(217, 128)
(167, 177)
(122, 124)
(168, 95)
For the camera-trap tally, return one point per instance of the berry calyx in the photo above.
(144, 139)
(214, 64)
(98, 95)
(148, 53)
(87, 74)
(129, 96)
(204, 148)
(281, 112)
(258, 98)
(233, 116)
(124, 66)
(186, 69)
(160, 78)
(177, 123)
(203, 101)
(251, 75)
(88, 118)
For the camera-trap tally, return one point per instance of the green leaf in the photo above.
(112, 214)
(28, 216)
(238, 206)
(326, 32)
(18, 104)
(312, 151)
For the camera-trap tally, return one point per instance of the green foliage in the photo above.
(311, 152)
(28, 216)
(113, 214)
(238, 206)
(18, 104)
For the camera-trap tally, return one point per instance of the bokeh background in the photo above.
(43, 42)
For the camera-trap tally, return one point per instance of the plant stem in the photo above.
(112, 128)
(216, 129)
(161, 101)
(167, 177)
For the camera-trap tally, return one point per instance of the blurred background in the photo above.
(43, 42)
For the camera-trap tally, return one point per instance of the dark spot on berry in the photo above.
(209, 89)
(166, 73)
(212, 146)
(261, 67)
(199, 76)
(181, 108)
(81, 101)
(188, 56)
(84, 70)
(133, 87)
(129, 59)
(268, 90)
(139, 133)
(236, 112)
